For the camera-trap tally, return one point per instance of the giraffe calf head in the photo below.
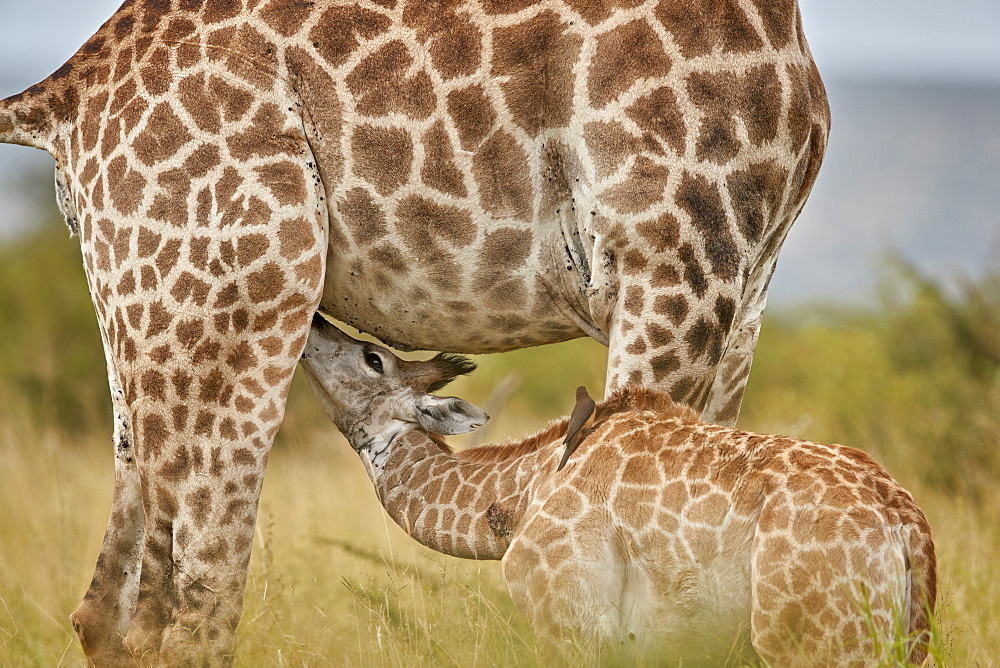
(367, 391)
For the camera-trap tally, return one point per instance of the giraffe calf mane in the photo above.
(631, 398)
(644, 399)
(433, 374)
(449, 367)
(504, 451)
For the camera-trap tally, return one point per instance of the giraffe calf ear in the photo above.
(448, 415)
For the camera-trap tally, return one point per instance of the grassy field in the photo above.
(916, 382)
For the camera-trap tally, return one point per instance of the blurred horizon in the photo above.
(912, 168)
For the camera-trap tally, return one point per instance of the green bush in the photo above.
(915, 380)
(52, 368)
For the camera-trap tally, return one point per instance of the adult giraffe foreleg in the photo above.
(729, 384)
(672, 337)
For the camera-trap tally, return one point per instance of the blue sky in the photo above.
(912, 39)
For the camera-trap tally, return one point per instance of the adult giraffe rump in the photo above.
(470, 176)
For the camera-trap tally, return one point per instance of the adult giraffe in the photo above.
(461, 175)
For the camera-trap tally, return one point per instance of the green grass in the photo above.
(916, 382)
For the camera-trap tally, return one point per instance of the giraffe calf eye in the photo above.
(374, 361)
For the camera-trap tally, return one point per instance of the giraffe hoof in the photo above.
(102, 645)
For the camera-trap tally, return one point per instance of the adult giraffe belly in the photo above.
(438, 278)
(630, 177)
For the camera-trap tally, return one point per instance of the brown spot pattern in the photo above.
(535, 58)
(162, 137)
(127, 186)
(285, 180)
(756, 193)
(340, 29)
(661, 119)
(780, 20)
(201, 254)
(439, 170)
(425, 224)
(382, 85)
(473, 115)
(454, 42)
(595, 11)
(610, 145)
(504, 251)
(701, 200)
(625, 55)
(723, 25)
(643, 187)
(363, 216)
(500, 166)
(662, 233)
(382, 156)
(286, 16)
(755, 95)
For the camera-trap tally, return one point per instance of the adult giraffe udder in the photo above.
(461, 175)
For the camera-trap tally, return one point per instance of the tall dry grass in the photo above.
(916, 382)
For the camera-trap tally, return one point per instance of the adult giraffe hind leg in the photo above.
(730, 379)
(102, 618)
(201, 491)
(205, 309)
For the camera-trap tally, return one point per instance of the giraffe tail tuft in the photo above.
(31, 118)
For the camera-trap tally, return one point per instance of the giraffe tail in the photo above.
(922, 589)
(32, 118)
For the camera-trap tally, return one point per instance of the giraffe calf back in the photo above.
(703, 542)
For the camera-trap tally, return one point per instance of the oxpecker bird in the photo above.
(580, 422)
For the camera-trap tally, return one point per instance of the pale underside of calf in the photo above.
(663, 533)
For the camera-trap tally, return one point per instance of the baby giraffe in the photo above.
(661, 533)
